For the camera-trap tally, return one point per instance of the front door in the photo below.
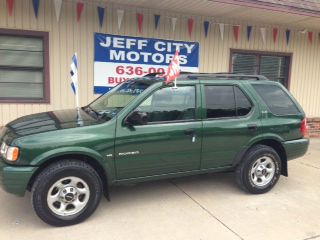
(167, 141)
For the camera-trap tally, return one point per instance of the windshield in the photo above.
(108, 105)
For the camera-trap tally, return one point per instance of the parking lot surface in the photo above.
(200, 207)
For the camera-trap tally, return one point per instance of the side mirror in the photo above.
(136, 118)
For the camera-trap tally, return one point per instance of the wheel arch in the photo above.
(92, 161)
(270, 142)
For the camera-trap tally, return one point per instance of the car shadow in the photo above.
(216, 183)
(18, 212)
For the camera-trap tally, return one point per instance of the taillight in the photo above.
(304, 128)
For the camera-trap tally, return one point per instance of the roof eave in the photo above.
(272, 7)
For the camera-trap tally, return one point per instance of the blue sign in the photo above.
(119, 58)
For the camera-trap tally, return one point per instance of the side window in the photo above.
(226, 101)
(276, 99)
(169, 104)
(243, 105)
(220, 101)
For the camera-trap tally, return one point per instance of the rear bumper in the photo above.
(15, 179)
(296, 148)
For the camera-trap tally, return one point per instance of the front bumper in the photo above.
(296, 148)
(15, 179)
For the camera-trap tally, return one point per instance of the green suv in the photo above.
(145, 130)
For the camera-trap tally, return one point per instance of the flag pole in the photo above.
(77, 91)
(77, 95)
(175, 79)
(75, 79)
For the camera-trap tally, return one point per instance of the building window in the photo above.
(24, 66)
(275, 66)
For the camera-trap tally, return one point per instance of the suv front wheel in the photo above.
(260, 169)
(66, 192)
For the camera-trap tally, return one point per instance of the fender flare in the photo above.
(255, 140)
(60, 152)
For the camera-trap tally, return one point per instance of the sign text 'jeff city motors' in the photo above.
(118, 58)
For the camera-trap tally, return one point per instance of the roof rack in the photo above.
(161, 74)
(232, 76)
(195, 76)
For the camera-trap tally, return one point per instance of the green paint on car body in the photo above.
(157, 150)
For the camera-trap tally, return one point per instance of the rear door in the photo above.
(170, 140)
(230, 120)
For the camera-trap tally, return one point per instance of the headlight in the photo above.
(9, 153)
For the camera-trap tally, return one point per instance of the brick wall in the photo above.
(314, 127)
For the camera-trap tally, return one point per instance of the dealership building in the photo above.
(276, 38)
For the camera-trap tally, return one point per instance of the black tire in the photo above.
(244, 176)
(62, 170)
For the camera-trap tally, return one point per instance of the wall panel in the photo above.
(68, 36)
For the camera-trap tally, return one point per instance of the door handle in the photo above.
(189, 132)
(252, 127)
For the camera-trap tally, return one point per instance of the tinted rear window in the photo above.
(276, 99)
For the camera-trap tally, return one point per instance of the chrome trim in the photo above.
(129, 153)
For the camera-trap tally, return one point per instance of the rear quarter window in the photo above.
(277, 100)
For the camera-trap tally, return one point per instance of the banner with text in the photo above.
(119, 58)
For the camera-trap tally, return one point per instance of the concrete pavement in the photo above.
(200, 207)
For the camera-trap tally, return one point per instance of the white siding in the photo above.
(68, 36)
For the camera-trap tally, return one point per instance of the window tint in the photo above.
(243, 105)
(220, 101)
(276, 99)
(226, 101)
(169, 104)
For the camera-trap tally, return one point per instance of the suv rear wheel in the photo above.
(260, 169)
(66, 192)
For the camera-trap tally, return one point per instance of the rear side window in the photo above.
(226, 102)
(276, 99)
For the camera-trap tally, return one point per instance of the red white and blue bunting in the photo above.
(208, 25)
(190, 26)
(275, 34)
(221, 29)
(10, 6)
(288, 35)
(36, 4)
(101, 11)
(120, 14)
(249, 32)
(57, 7)
(263, 32)
(173, 23)
(156, 20)
(236, 32)
(80, 7)
(140, 21)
